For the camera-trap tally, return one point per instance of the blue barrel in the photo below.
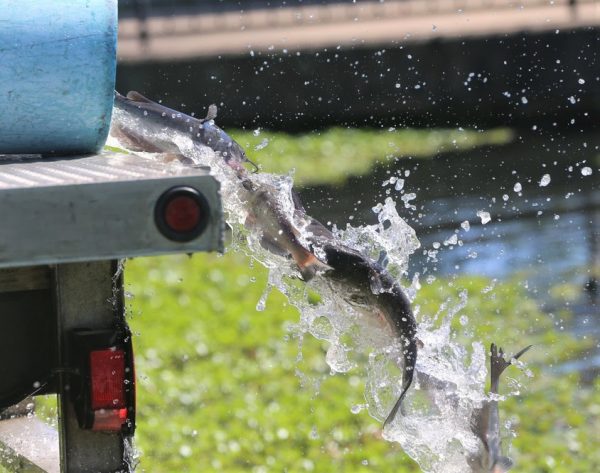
(57, 75)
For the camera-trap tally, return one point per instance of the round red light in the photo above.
(182, 213)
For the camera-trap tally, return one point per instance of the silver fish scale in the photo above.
(27, 171)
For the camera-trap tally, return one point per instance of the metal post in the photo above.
(86, 297)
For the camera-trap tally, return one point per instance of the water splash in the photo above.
(434, 428)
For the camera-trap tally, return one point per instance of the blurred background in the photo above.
(478, 117)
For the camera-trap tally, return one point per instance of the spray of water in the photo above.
(434, 428)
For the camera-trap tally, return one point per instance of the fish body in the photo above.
(143, 125)
(485, 422)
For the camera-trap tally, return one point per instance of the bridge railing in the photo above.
(153, 18)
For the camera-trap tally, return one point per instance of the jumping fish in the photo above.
(143, 125)
(375, 284)
(383, 293)
(485, 422)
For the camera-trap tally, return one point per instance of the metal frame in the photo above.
(65, 224)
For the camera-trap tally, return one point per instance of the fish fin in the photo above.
(211, 114)
(497, 362)
(502, 465)
(522, 352)
(170, 157)
(137, 97)
(272, 246)
(319, 232)
(309, 265)
(297, 202)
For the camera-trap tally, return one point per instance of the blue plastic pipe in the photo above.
(57, 75)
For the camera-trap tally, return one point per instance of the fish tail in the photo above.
(406, 382)
(407, 379)
(498, 363)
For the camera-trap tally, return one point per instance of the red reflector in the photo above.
(107, 371)
(109, 419)
(182, 213)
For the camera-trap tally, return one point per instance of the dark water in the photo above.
(546, 235)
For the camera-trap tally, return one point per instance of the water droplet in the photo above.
(518, 187)
(262, 145)
(545, 180)
(484, 216)
(185, 451)
(586, 171)
(453, 240)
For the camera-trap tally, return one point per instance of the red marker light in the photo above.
(107, 373)
(181, 213)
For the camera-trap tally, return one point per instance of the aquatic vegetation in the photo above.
(339, 153)
(221, 385)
